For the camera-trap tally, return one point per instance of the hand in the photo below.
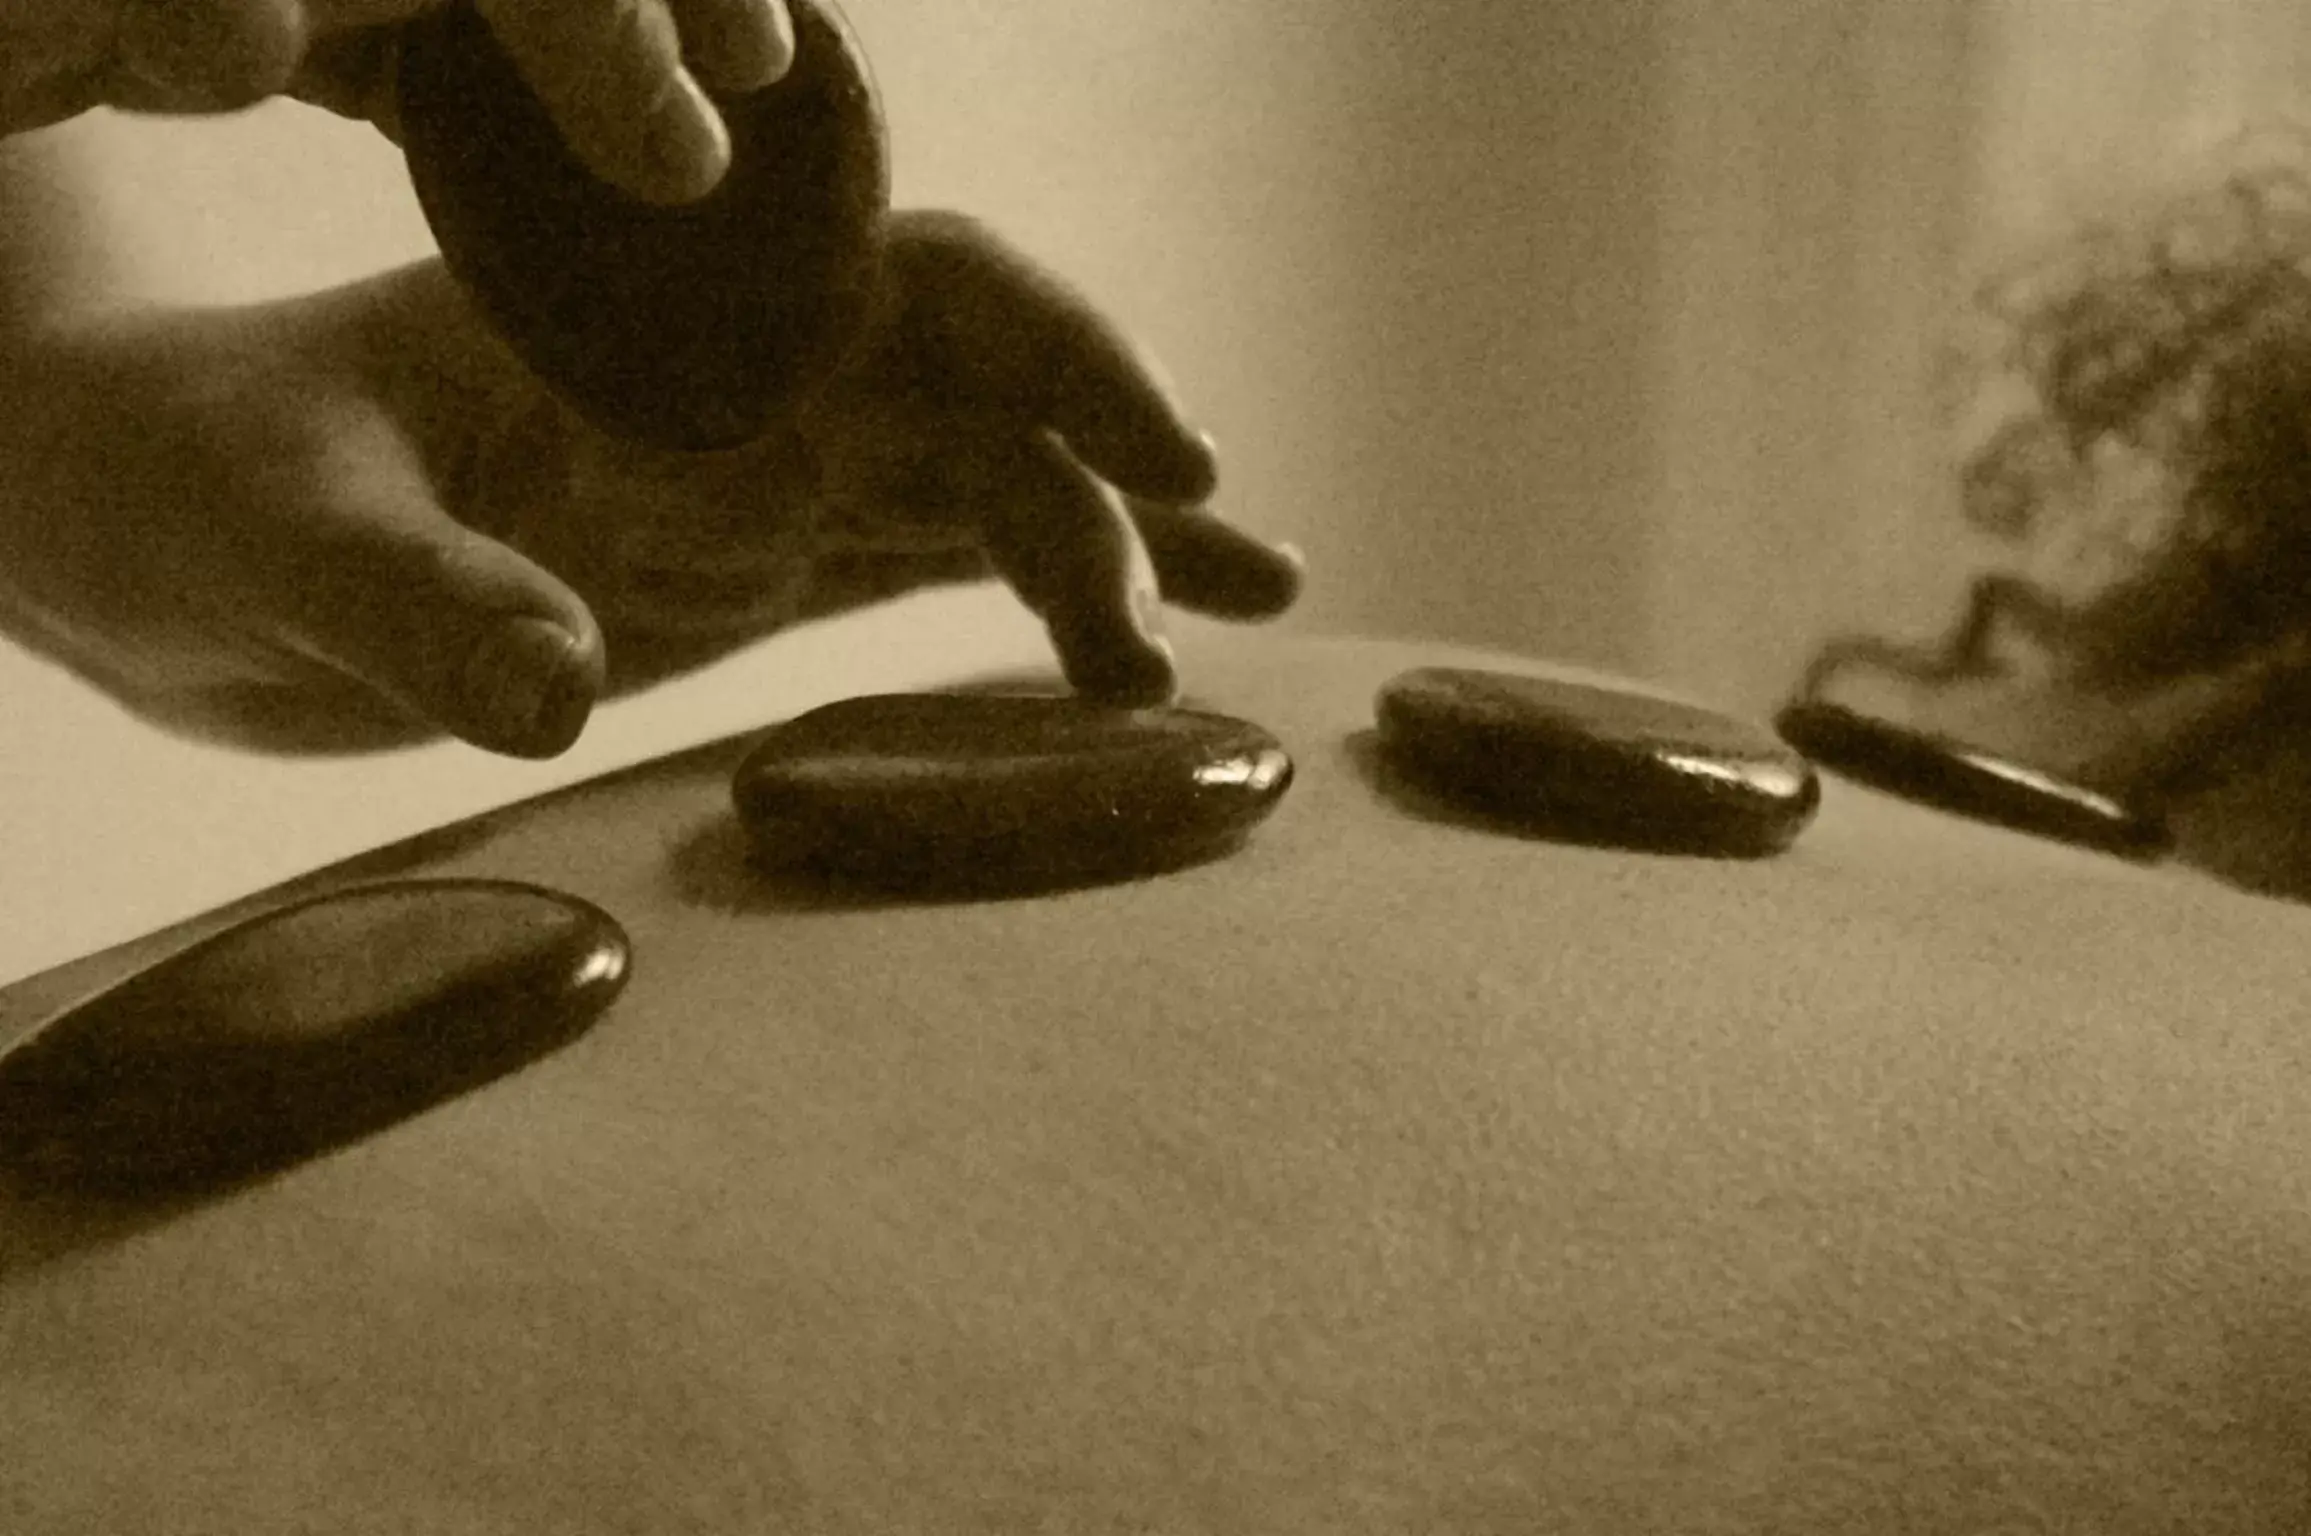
(623, 78)
(351, 521)
(992, 421)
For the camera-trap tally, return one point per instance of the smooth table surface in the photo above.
(1394, 1175)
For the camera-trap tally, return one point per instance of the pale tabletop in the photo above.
(1394, 1174)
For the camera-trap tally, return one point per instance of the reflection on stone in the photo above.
(1596, 763)
(683, 327)
(994, 793)
(1953, 776)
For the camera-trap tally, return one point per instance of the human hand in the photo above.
(626, 80)
(305, 526)
(990, 421)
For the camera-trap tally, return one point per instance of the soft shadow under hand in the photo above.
(714, 867)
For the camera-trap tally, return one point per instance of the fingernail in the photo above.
(527, 689)
(689, 146)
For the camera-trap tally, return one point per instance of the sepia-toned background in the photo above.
(1601, 331)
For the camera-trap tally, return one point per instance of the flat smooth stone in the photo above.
(1596, 763)
(1952, 776)
(686, 327)
(301, 1029)
(964, 793)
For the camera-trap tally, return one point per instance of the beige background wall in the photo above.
(1592, 329)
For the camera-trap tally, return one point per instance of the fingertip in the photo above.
(614, 81)
(1141, 674)
(1163, 677)
(1210, 567)
(1116, 652)
(1129, 425)
(738, 46)
(686, 147)
(1145, 453)
(1157, 450)
(1291, 573)
(775, 41)
(356, 75)
(530, 687)
(1198, 464)
(783, 46)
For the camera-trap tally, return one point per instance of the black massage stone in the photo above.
(680, 326)
(1596, 764)
(1952, 776)
(301, 1029)
(962, 793)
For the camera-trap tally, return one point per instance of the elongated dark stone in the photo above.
(301, 1029)
(1596, 763)
(1952, 776)
(686, 326)
(993, 794)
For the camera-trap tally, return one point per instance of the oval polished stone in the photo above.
(689, 326)
(301, 1029)
(1952, 776)
(1596, 763)
(1003, 794)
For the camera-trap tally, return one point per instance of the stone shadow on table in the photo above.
(713, 867)
(45, 1218)
(92, 1198)
(39, 1226)
(277, 1042)
(1372, 763)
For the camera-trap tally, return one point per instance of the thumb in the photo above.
(464, 632)
(179, 56)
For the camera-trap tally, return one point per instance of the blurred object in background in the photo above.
(2130, 433)
(1819, 165)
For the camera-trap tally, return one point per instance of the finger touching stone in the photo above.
(982, 794)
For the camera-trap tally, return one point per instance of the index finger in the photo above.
(611, 75)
